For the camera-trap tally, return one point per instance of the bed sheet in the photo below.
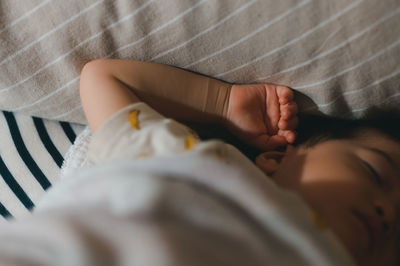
(342, 57)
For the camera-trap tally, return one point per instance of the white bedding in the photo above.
(159, 211)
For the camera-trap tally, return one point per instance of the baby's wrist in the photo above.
(225, 103)
(217, 100)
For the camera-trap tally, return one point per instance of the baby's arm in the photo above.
(262, 115)
(108, 85)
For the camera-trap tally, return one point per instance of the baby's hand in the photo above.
(262, 115)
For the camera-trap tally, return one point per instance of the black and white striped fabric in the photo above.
(31, 154)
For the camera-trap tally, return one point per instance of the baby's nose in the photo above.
(385, 213)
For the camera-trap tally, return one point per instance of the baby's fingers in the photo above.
(290, 124)
(289, 135)
(288, 110)
(285, 94)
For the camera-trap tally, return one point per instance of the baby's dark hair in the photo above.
(314, 129)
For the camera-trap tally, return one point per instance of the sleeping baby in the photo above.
(156, 194)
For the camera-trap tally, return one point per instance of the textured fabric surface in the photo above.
(32, 151)
(76, 155)
(137, 131)
(341, 56)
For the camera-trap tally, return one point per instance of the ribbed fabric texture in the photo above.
(341, 56)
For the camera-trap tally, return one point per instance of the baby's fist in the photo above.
(262, 115)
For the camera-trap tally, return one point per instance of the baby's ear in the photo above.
(270, 161)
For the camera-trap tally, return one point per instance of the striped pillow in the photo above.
(31, 154)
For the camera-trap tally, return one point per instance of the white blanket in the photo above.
(160, 211)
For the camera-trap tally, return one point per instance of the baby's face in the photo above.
(355, 187)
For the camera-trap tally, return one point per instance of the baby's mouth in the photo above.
(368, 228)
